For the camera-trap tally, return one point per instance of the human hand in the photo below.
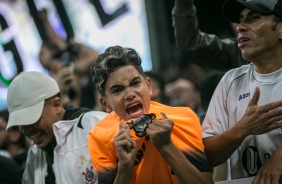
(43, 14)
(260, 119)
(86, 57)
(160, 131)
(64, 78)
(125, 146)
(271, 171)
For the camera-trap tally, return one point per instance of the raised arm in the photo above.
(51, 34)
(203, 49)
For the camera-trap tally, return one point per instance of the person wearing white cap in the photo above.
(58, 152)
(242, 130)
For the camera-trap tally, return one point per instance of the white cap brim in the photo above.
(26, 116)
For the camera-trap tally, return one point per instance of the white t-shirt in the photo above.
(228, 105)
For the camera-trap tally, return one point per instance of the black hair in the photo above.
(113, 58)
(4, 114)
(22, 141)
(207, 87)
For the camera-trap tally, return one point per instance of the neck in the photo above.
(268, 63)
(268, 67)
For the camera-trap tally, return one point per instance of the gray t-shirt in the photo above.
(228, 105)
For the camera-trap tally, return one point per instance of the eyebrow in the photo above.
(120, 85)
(250, 13)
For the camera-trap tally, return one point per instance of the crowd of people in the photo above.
(99, 118)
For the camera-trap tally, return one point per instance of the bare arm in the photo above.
(51, 34)
(220, 148)
(271, 171)
(85, 59)
(256, 120)
(186, 172)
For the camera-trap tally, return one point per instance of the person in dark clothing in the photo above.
(11, 172)
(203, 49)
(12, 140)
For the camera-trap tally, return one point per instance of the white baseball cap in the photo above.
(26, 96)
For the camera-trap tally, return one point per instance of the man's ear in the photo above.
(106, 106)
(57, 103)
(149, 84)
(280, 31)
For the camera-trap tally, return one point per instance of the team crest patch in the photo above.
(90, 176)
(87, 171)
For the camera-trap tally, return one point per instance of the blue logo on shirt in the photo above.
(241, 97)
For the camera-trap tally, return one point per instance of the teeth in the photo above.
(35, 136)
(243, 39)
(132, 105)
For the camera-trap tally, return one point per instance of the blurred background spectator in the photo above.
(68, 62)
(11, 172)
(158, 86)
(176, 80)
(12, 140)
(182, 92)
(206, 89)
(102, 23)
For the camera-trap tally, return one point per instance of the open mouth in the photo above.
(243, 39)
(134, 110)
(35, 135)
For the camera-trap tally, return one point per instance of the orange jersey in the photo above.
(150, 167)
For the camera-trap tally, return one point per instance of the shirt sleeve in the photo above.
(187, 136)
(220, 54)
(103, 155)
(216, 120)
